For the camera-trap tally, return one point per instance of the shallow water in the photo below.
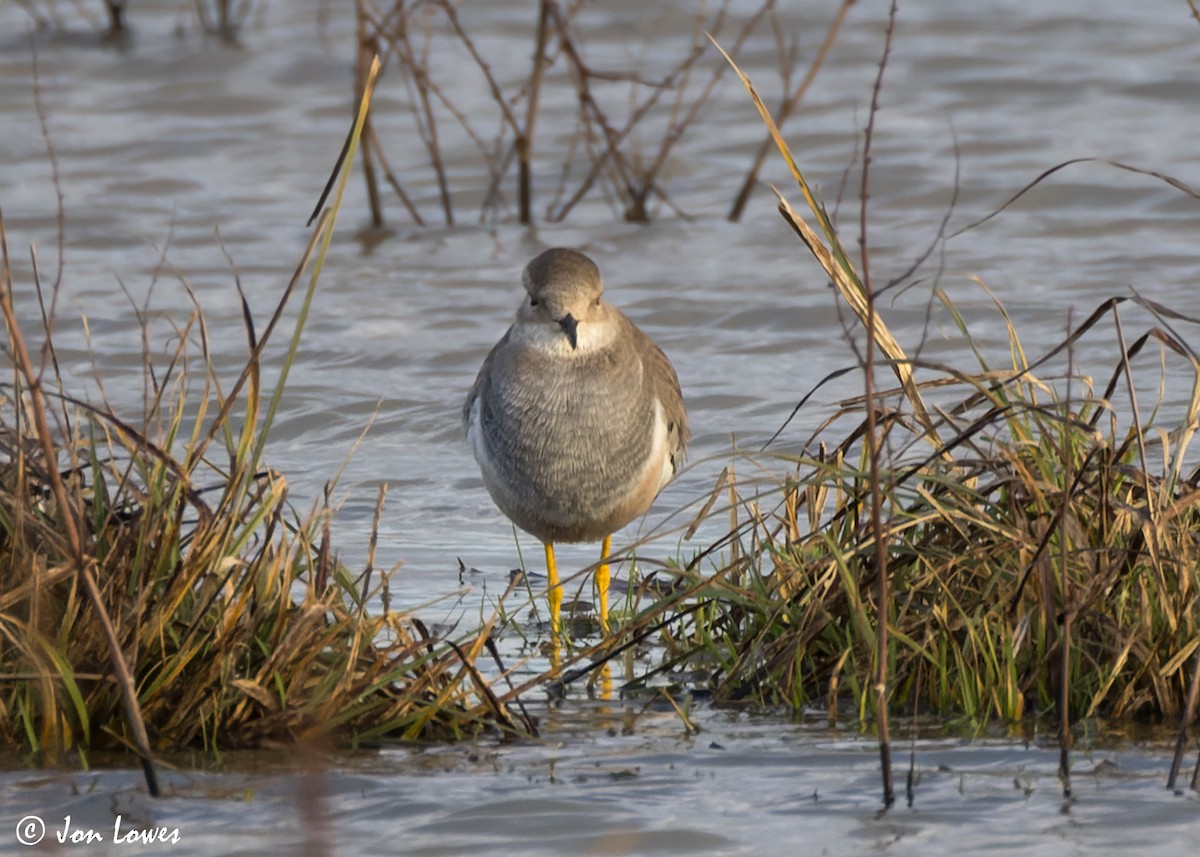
(176, 135)
(741, 785)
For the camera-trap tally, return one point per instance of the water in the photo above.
(176, 136)
(740, 785)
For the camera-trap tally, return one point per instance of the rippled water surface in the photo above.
(743, 786)
(171, 137)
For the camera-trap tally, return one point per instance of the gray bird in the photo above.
(576, 417)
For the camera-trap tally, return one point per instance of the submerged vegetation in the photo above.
(541, 162)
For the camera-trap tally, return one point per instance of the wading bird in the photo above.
(576, 417)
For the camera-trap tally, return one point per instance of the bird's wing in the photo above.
(666, 389)
(483, 380)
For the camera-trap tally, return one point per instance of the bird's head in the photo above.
(564, 289)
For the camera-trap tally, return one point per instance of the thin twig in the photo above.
(368, 161)
(1067, 610)
(679, 128)
(873, 441)
(60, 219)
(1163, 177)
(786, 108)
(524, 141)
(389, 175)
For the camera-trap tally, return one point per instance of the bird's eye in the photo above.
(533, 301)
(596, 302)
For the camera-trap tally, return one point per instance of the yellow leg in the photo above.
(602, 577)
(554, 594)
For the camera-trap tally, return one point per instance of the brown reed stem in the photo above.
(68, 515)
(1189, 710)
(680, 126)
(116, 16)
(872, 440)
(1181, 737)
(1064, 664)
(524, 143)
(788, 105)
(389, 175)
(910, 780)
(366, 53)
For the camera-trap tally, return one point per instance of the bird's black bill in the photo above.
(569, 324)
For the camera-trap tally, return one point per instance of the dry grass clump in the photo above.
(158, 591)
(1026, 547)
(1029, 530)
(163, 562)
(1040, 547)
